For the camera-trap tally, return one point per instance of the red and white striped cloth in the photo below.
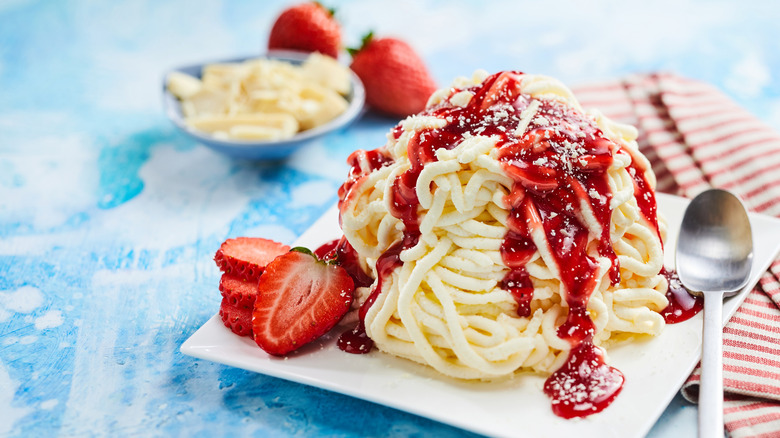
(697, 138)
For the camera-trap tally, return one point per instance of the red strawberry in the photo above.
(299, 299)
(239, 320)
(307, 27)
(246, 257)
(238, 302)
(396, 79)
(240, 293)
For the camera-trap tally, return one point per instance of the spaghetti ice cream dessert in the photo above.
(505, 229)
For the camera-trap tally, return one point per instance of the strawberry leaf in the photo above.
(363, 43)
(304, 250)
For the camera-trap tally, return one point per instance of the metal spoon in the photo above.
(714, 258)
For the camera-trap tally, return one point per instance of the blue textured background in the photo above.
(109, 217)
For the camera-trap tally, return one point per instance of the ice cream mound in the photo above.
(506, 229)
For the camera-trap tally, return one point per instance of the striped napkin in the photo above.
(697, 138)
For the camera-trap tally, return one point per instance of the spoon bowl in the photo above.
(714, 258)
(715, 246)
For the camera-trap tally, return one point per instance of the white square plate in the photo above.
(654, 368)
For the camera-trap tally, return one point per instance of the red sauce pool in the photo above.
(356, 341)
(584, 385)
(682, 305)
(559, 167)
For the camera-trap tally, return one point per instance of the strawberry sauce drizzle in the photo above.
(559, 167)
(645, 197)
(356, 341)
(403, 205)
(345, 256)
(361, 164)
(682, 305)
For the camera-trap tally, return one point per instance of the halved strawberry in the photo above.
(246, 257)
(240, 293)
(237, 319)
(300, 298)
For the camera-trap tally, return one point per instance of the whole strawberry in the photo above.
(395, 77)
(307, 27)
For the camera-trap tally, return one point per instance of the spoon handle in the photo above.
(711, 385)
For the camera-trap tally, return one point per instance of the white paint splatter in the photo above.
(49, 404)
(274, 232)
(749, 76)
(23, 300)
(11, 413)
(312, 193)
(50, 319)
(36, 121)
(86, 403)
(27, 340)
(40, 244)
(60, 183)
(9, 5)
(187, 195)
(116, 81)
(773, 118)
(420, 26)
(316, 160)
(624, 33)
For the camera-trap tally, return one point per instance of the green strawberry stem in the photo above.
(363, 43)
(304, 250)
(331, 11)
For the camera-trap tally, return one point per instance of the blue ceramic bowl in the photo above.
(255, 149)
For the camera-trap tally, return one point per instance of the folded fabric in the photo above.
(696, 138)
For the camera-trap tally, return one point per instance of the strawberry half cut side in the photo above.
(300, 298)
(246, 257)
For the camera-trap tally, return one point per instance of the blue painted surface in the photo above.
(109, 217)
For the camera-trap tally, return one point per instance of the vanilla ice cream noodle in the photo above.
(505, 229)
